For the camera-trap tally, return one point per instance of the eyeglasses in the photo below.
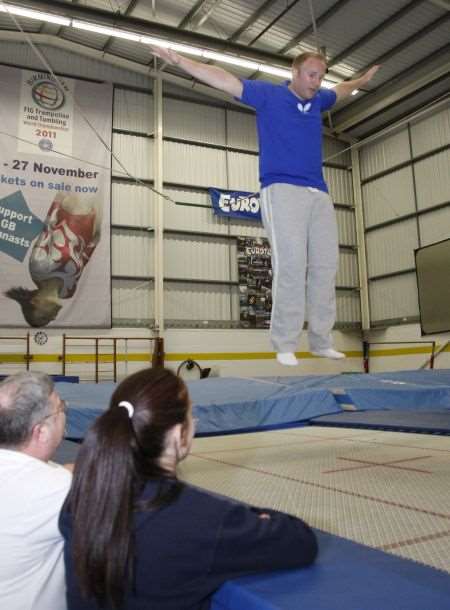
(61, 409)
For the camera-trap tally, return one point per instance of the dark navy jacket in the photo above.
(188, 549)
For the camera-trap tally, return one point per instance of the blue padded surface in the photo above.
(86, 401)
(409, 390)
(346, 576)
(66, 452)
(232, 404)
(407, 421)
(220, 404)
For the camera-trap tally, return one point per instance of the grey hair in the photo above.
(24, 401)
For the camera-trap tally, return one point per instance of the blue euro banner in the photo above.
(235, 204)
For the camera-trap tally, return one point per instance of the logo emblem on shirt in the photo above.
(304, 107)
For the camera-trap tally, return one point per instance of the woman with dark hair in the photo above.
(136, 537)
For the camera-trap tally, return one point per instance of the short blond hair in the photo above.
(300, 59)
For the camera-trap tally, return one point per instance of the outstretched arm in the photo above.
(211, 75)
(345, 88)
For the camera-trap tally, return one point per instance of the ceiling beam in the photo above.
(150, 28)
(129, 8)
(445, 4)
(251, 20)
(411, 113)
(184, 82)
(374, 32)
(382, 59)
(274, 21)
(392, 92)
(334, 8)
(199, 13)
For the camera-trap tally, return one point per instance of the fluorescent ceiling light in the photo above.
(100, 29)
(31, 14)
(156, 42)
(231, 59)
(283, 72)
(181, 48)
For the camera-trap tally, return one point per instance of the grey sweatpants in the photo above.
(302, 231)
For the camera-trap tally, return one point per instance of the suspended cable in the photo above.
(314, 25)
(47, 65)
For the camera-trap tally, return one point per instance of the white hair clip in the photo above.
(128, 406)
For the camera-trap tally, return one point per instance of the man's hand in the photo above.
(345, 88)
(367, 76)
(167, 55)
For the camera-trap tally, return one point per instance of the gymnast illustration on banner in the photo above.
(59, 257)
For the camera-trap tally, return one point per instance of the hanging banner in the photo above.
(255, 281)
(235, 204)
(55, 182)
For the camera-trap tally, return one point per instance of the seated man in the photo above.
(32, 423)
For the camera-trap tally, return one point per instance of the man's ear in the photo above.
(41, 433)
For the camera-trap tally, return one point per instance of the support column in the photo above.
(158, 205)
(360, 241)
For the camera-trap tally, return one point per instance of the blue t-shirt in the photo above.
(290, 133)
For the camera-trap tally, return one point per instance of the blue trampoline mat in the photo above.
(66, 453)
(414, 390)
(425, 422)
(221, 405)
(235, 404)
(346, 576)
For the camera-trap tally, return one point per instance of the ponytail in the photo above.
(120, 453)
(101, 505)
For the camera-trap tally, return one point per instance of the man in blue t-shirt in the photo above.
(297, 211)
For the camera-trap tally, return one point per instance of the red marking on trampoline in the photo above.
(412, 541)
(255, 447)
(357, 439)
(400, 446)
(423, 511)
(391, 464)
(317, 437)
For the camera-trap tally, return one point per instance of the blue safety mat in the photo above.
(238, 404)
(409, 390)
(86, 401)
(346, 576)
(66, 452)
(221, 405)
(235, 404)
(425, 422)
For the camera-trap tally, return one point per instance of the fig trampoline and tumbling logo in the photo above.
(47, 95)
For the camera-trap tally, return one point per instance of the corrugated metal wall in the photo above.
(406, 199)
(205, 144)
(208, 146)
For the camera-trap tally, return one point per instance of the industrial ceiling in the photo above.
(409, 38)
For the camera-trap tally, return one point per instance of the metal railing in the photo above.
(105, 350)
(13, 357)
(429, 362)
